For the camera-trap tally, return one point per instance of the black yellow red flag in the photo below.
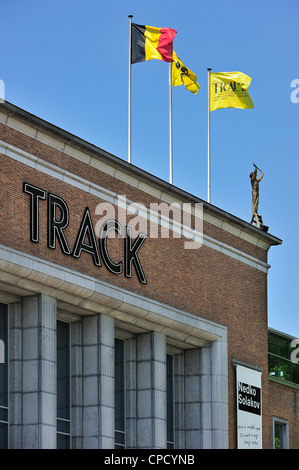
(149, 42)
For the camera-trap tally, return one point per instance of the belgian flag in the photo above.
(149, 42)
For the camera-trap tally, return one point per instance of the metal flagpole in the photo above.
(209, 150)
(129, 94)
(170, 125)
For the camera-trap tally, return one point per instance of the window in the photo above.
(170, 401)
(120, 395)
(4, 376)
(279, 357)
(280, 433)
(63, 386)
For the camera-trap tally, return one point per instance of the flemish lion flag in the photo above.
(229, 90)
(181, 75)
(149, 42)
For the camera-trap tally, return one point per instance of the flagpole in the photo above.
(170, 126)
(209, 150)
(129, 91)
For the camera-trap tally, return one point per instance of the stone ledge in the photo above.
(78, 295)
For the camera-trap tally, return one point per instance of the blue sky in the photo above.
(66, 61)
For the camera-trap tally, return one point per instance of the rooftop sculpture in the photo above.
(255, 181)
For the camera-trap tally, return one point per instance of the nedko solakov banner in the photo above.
(249, 408)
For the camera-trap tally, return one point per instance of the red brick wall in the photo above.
(285, 405)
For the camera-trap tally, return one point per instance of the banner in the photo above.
(249, 408)
(229, 90)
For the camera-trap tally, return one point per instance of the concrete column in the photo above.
(38, 372)
(192, 399)
(219, 398)
(206, 441)
(151, 391)
(15, 411)
(179, 398)
(98, 382)
(206, 406)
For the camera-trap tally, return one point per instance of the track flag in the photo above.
(229, 90)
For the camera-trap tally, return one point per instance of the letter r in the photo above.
(56, 227)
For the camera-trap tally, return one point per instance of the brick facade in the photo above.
(224, 281)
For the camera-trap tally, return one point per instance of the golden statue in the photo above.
(255, 181)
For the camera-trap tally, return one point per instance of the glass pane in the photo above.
(119, 439)
(63, 386)
(63, 370)
(4, 345)
(280, 368)
(4, 414)
(119, 385)
(170, 401)
(63, 426)
(280, 364)
(278, 436)
(295, 373)
(63, 442)
(279, 345)
(3, 436)
(3, 384)
(283, 369)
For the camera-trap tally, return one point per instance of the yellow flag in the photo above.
(181, 75)
(229, 90)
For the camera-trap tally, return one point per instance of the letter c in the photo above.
(115, 268)
(150, 460)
